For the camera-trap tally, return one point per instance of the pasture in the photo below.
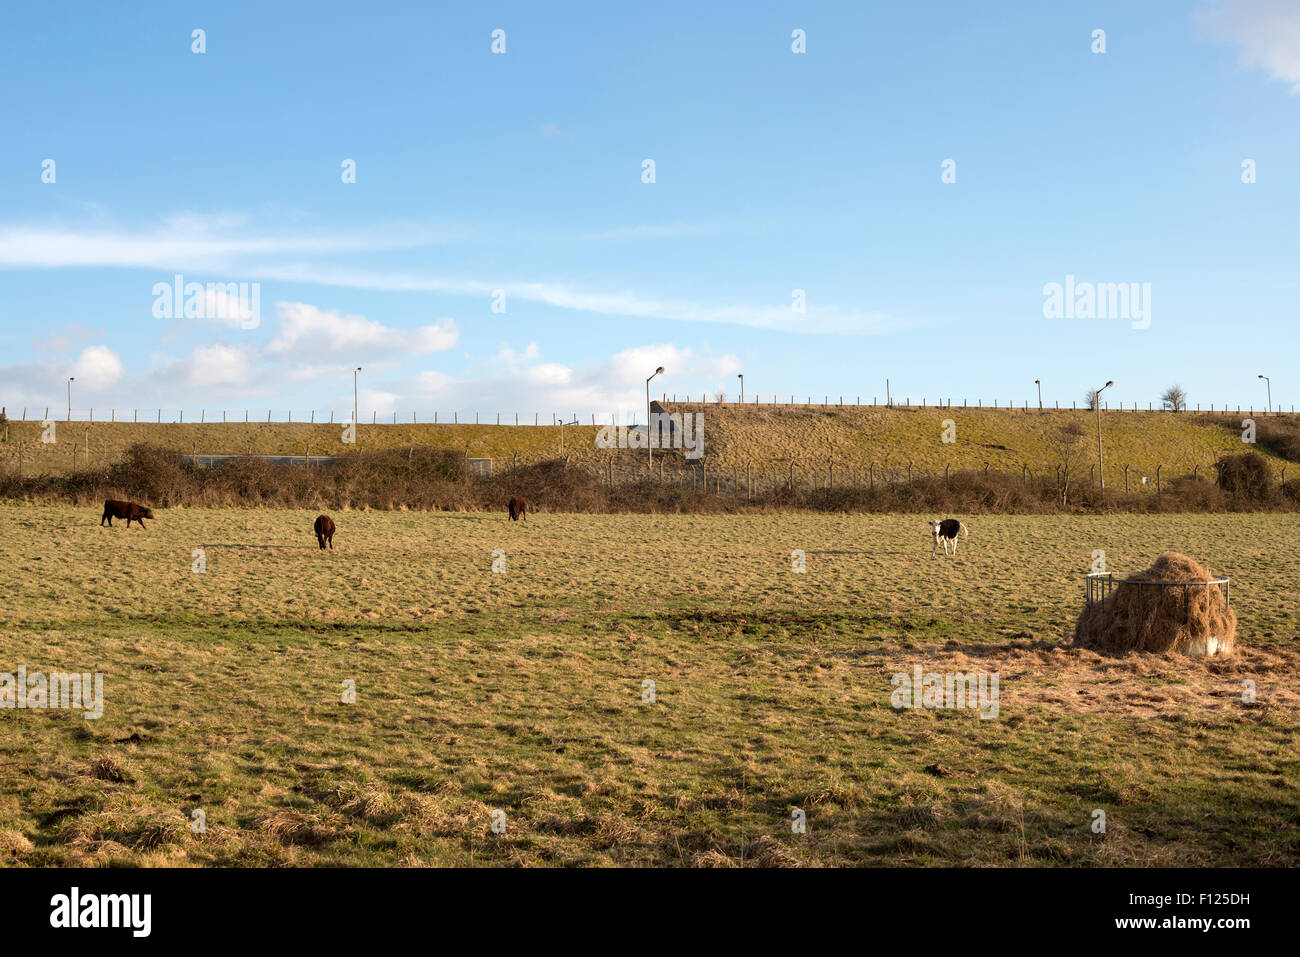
(522, 692)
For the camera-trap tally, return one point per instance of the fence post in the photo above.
(1158, 467)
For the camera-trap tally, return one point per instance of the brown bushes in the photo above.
(437, 479)
(1138, 616)
(1247, 476)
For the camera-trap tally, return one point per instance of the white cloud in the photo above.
(430, 383)
(818, 319)
(222, 247)
(1266, 31)
(306, 330)
(377, 402)
(219, 304)
(550, 373)
(98, 367)
(510, 358)
(184, 243)
(217, 365)
(615, 386)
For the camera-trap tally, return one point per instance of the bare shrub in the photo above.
(1174, 399)
(1246, 476)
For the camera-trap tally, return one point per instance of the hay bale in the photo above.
(1193, 621)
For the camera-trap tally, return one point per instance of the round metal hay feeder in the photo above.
(1099, 586)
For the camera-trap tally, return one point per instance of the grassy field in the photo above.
(522, 692)
(764, 437)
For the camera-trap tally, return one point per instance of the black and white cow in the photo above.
(946, 531)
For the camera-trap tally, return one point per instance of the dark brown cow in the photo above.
(116, 508)
(324, 531)
(518, 509)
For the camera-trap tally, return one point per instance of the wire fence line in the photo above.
(174, 416)
(746, 481)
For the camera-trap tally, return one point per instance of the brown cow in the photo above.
(116, 508)
(518, 509)
(324, 531)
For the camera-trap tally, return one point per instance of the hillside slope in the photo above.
(765, 437)
(1007, 439)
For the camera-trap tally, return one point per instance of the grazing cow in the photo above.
(946, 531)
(518, 509)
(116, 508)
(324, 531)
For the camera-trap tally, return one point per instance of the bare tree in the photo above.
(1174, 399)
(1067, 442)
(1092, 397)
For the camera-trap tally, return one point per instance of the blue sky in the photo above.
(774, 171)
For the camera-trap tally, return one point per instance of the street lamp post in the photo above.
(1101, 463)
(649, 447)
(741, 377)
(71, 379)
(1039, 383)
(1269, 382)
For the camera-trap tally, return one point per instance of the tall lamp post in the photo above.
(1101, 464)
(71, 379)
(354, 397)
(1039, 383)
(741, 377)
(1269, 382)
(648, 446)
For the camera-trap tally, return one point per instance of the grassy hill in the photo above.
(765, 437)
(1006, 439)
(108, 440)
